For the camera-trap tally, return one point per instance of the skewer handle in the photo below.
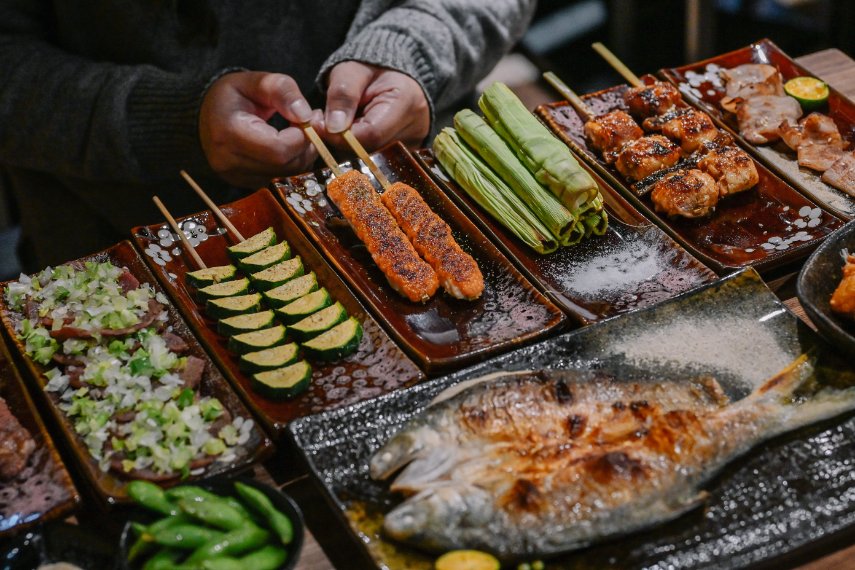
(617, 64)
(574, 100)
(366, 158)
(174, 225)
(322, 149)
(214, 208)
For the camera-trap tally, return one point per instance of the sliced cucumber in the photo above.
(277, 275)
(265, 258)
(292, 290)
(269, 358)
(252, 245)
(231, 306)
(210, 275)
(257, 340)
(304, 306)
(337, 342)
(284, 382)
(315, 324)
(225, 289)
(246, 323)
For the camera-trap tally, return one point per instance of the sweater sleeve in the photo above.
(72, 116)
(445, 45)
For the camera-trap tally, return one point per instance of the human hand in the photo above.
(379, 105)
(239, 144)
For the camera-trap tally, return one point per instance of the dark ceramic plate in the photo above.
(378, 366)
(443, 333)
(225, 487)
(81, 545)
(755, 228)
(818, 279)
(696, 83)
(634, 265)
(43, 490)
(781, 497)
(110, 488)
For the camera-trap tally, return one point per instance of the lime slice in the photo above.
(810, 92)
(467, 560)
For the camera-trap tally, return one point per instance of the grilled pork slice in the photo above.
(608, 133)
(686, 193)
(457, 271)
(841, 174)
(843, 298)
(687, 126)
(16, 444)
(816, 140)
(642, 157)
(390, 249)
(749, 80)
(649, 100)
(731, 167)
(760, 116)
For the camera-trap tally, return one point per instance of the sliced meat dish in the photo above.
(760, 116)
(687, 126)
(642, 157)
(731, 167)
(16, 444)
(686, 193)
(747, 81)
(608, 133)
(841, 174)
(649, 100)
(816, 139)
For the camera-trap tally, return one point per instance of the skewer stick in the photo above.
(214, 208)
(174, 225)
(364, 157)
(574, 100)
(322, 149)
(617, 64)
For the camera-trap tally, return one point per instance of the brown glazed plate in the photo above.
(699, 83)
(377, 367)
(634, 265)
(110, 488)
(443, 333)
(43, 490)
(756, 228)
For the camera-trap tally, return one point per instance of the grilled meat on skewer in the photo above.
(686, 193)
(642, 157)
(650, 100)
(390, 249)
(815, 139)
(687, 126)
(731, 167)
(841, 174)
(760, 116)
(749, 80)
(608, 133)
(16, 444)
(457, 271)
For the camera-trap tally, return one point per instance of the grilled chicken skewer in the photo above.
(610, 132)
(689, 193)
(687, 126)
(642, 157)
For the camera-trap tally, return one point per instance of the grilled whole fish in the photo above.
(540, 463)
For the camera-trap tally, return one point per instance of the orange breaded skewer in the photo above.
(390, 249)
(457, 271)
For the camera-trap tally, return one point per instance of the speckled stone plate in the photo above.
(109, 487)
(43, 490)
(444, 333)
(699, 83)
(634, 265)
(377, 367)
(784, 495)
(765, 227)
(818, 279)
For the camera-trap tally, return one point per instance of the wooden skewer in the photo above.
(210, 203)
(574, 100)
(619, 66)
(176, 229)
(364, 157)
(322, 149)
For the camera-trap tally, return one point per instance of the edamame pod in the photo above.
(150, 496)
(186, 536)
(267, 558)
(198, 494)
(215, 513)
(278, 521)
(231, 543)
(164, 560)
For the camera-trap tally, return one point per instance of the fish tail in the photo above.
(783, 384)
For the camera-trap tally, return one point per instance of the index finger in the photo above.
(280, 92)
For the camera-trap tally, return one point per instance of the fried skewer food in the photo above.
(688, 193)
(843, 298)
(457, 271)
(610, 132)
(390, 249)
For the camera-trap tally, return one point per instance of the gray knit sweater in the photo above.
(99, 99)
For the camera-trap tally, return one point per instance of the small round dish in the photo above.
(224, 487)
(818, 279)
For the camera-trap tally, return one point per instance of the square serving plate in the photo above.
(756, 228)
(695, 83)
(110, 488)
(377, 367)
(443, 333)
(771, 504)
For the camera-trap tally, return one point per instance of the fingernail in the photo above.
(337, 121)
(301, 110)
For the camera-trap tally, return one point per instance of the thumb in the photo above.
(279, 92)
(347, 83)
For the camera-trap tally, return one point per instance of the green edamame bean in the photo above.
(231, 543)
(215, 513)
(267, 558)
(165, 559)
(198, 494)
(277, 520)
(151, 496)
(186, 536)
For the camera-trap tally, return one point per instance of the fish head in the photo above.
(404, 447)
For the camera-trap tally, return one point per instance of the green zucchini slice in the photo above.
(246, 323)
(257, 340)
(278, 274)
(284, 382)
(230, 306)
(269, 358)
(315, 324)
(291, 290)
(265, 258)
(225, 289)
(304, 306)
(252, 245)
(210, 275)
(337, 342)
